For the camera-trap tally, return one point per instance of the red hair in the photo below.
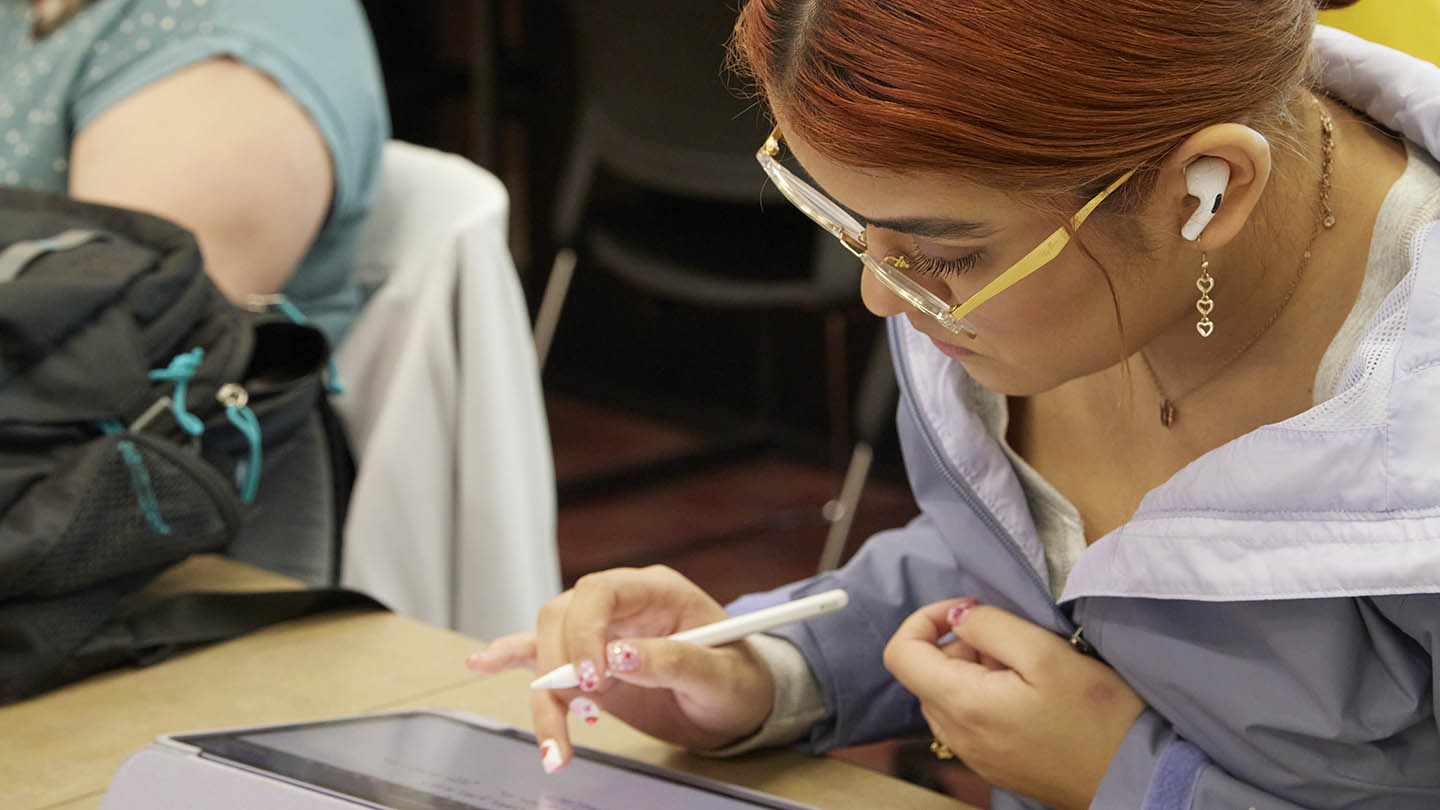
(1046, 96)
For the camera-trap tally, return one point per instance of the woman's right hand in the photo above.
(611, 626)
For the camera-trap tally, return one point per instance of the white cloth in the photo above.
(452, 518)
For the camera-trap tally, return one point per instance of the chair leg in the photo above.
(547, 318)
(838, 395)
(875, 404)
(841, 511)
(876, 400)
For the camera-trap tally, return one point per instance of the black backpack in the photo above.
(136, 405)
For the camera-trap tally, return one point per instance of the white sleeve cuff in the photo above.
(798, 702)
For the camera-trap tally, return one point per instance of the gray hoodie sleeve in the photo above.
(953, 548)
(843, 649)
(891, 576)
(1279, 705)
(1154, 769)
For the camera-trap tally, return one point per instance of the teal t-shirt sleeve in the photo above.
(318, 51)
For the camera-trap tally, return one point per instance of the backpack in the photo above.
(136, 406)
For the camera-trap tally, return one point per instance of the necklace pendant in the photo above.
(1168, 413)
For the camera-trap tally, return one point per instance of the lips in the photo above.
(952, 351)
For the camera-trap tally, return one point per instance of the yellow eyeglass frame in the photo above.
(829, 215)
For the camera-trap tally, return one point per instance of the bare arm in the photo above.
(220, 149)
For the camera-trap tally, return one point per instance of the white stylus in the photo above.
(724, 631)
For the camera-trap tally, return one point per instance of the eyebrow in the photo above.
(932, 228)
(923, 227)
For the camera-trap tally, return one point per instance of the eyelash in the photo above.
(930, 266)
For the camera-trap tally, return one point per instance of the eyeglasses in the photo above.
(829, 215)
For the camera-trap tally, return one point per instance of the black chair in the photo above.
(658, 114)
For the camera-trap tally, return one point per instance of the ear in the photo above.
(1245, 152)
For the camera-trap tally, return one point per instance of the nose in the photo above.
(876, 294)
(884, 302)
(878, 298)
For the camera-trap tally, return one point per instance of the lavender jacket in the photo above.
(1276, 603)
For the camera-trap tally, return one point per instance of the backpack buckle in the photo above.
(232, 396)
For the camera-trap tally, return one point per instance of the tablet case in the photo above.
(171, 773)
(170, 776)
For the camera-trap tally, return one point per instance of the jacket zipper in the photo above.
(973, 500)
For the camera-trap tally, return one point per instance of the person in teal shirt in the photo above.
(256, 124)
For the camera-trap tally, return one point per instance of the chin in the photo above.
(1003, 380)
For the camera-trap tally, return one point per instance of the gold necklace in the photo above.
(1325, 220)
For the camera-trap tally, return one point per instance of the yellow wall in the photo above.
(1407, 25)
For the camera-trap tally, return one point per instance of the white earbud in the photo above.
(1206, 178)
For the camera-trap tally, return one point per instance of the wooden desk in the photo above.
(61, 749)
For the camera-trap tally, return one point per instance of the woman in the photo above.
(1175, 465)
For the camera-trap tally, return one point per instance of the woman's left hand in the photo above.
(1017, 703)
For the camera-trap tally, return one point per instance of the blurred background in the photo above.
(707, 379)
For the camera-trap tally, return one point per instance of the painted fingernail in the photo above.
(550, 756)
(585, 709)
(623, 657)
(958, 612)
(589, 678)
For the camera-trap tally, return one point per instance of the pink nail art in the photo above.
(623, 657)
(585, 709)
(550, 756)
(958, 612)
(589, 678)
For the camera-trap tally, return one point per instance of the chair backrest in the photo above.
(659, 105)
(423, 195)
(452, 519)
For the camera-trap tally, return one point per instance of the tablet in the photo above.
(435, 760)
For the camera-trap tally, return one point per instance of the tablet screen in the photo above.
(425, 761)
